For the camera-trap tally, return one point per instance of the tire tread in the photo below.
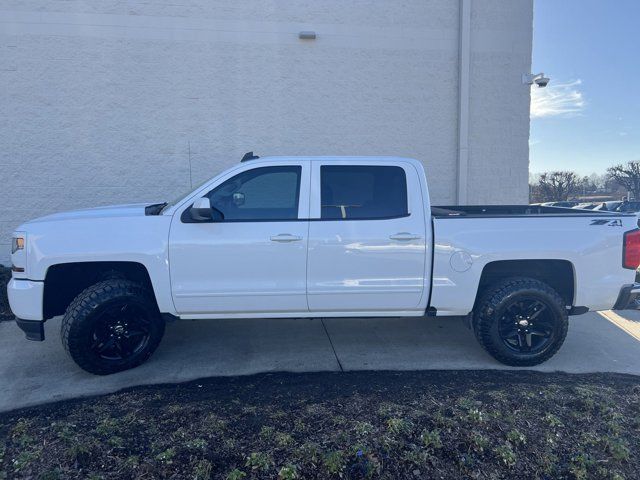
(490, 302)
(79, 311)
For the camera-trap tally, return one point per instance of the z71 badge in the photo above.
(609, 222)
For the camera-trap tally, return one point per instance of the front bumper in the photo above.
(26, 298)
(629, 298)
(33, 329)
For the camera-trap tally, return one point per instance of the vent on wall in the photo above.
(307, 35)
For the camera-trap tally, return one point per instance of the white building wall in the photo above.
(501, 40)
(110, 102)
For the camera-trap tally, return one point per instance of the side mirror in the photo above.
(238, 199)
(201, 210)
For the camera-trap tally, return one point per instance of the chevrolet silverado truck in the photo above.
(318, 237)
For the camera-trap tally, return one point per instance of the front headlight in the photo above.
(19, 252)
(17, 243)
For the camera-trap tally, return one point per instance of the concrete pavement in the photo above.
(32, 373)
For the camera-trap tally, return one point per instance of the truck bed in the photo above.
(453, 211)
(589, 243)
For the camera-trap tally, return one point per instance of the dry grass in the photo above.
(326, 425)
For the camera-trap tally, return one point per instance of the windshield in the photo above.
(608, 206)
(183, 195)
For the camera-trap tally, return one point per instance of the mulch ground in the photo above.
(5, 276)
(458, 424)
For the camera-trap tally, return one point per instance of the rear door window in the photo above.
(361, 192)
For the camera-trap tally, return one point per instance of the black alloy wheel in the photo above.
(111, 326)
(521, 321)
(527, 325)
(120, 331)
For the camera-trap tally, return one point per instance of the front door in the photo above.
(252, 258)
(367, 247)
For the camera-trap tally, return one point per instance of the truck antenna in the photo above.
(190, 175)
(249, 156)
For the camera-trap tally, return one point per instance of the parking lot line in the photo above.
(629, 326)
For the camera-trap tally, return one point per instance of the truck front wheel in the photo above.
(112, 326)
(521, 322)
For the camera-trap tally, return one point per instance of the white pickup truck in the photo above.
(318, 237)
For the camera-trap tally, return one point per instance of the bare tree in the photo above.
(557, 186)
(628, 176)
(599, 180)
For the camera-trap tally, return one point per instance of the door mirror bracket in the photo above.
(201, 210)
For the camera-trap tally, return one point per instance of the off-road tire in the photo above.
(490, 308)
(78, 322)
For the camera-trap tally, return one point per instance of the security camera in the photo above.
(542, 81)
(538, 78)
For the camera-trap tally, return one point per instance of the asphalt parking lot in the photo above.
(33, 373)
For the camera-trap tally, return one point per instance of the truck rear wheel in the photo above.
(521, 322)
(112, 326)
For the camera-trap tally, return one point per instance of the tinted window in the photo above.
(629, 207)
(357, 192)
(268, 193)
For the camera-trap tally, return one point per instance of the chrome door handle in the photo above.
(404, 237)
(285, 238)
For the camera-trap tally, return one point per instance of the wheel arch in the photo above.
(558, 274)
(64, 281)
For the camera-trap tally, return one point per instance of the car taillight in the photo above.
(631, 249)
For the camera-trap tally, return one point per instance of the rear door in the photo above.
(366, 237)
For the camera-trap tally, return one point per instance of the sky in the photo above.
(588, 118)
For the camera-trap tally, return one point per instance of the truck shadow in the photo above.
(34, 372)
